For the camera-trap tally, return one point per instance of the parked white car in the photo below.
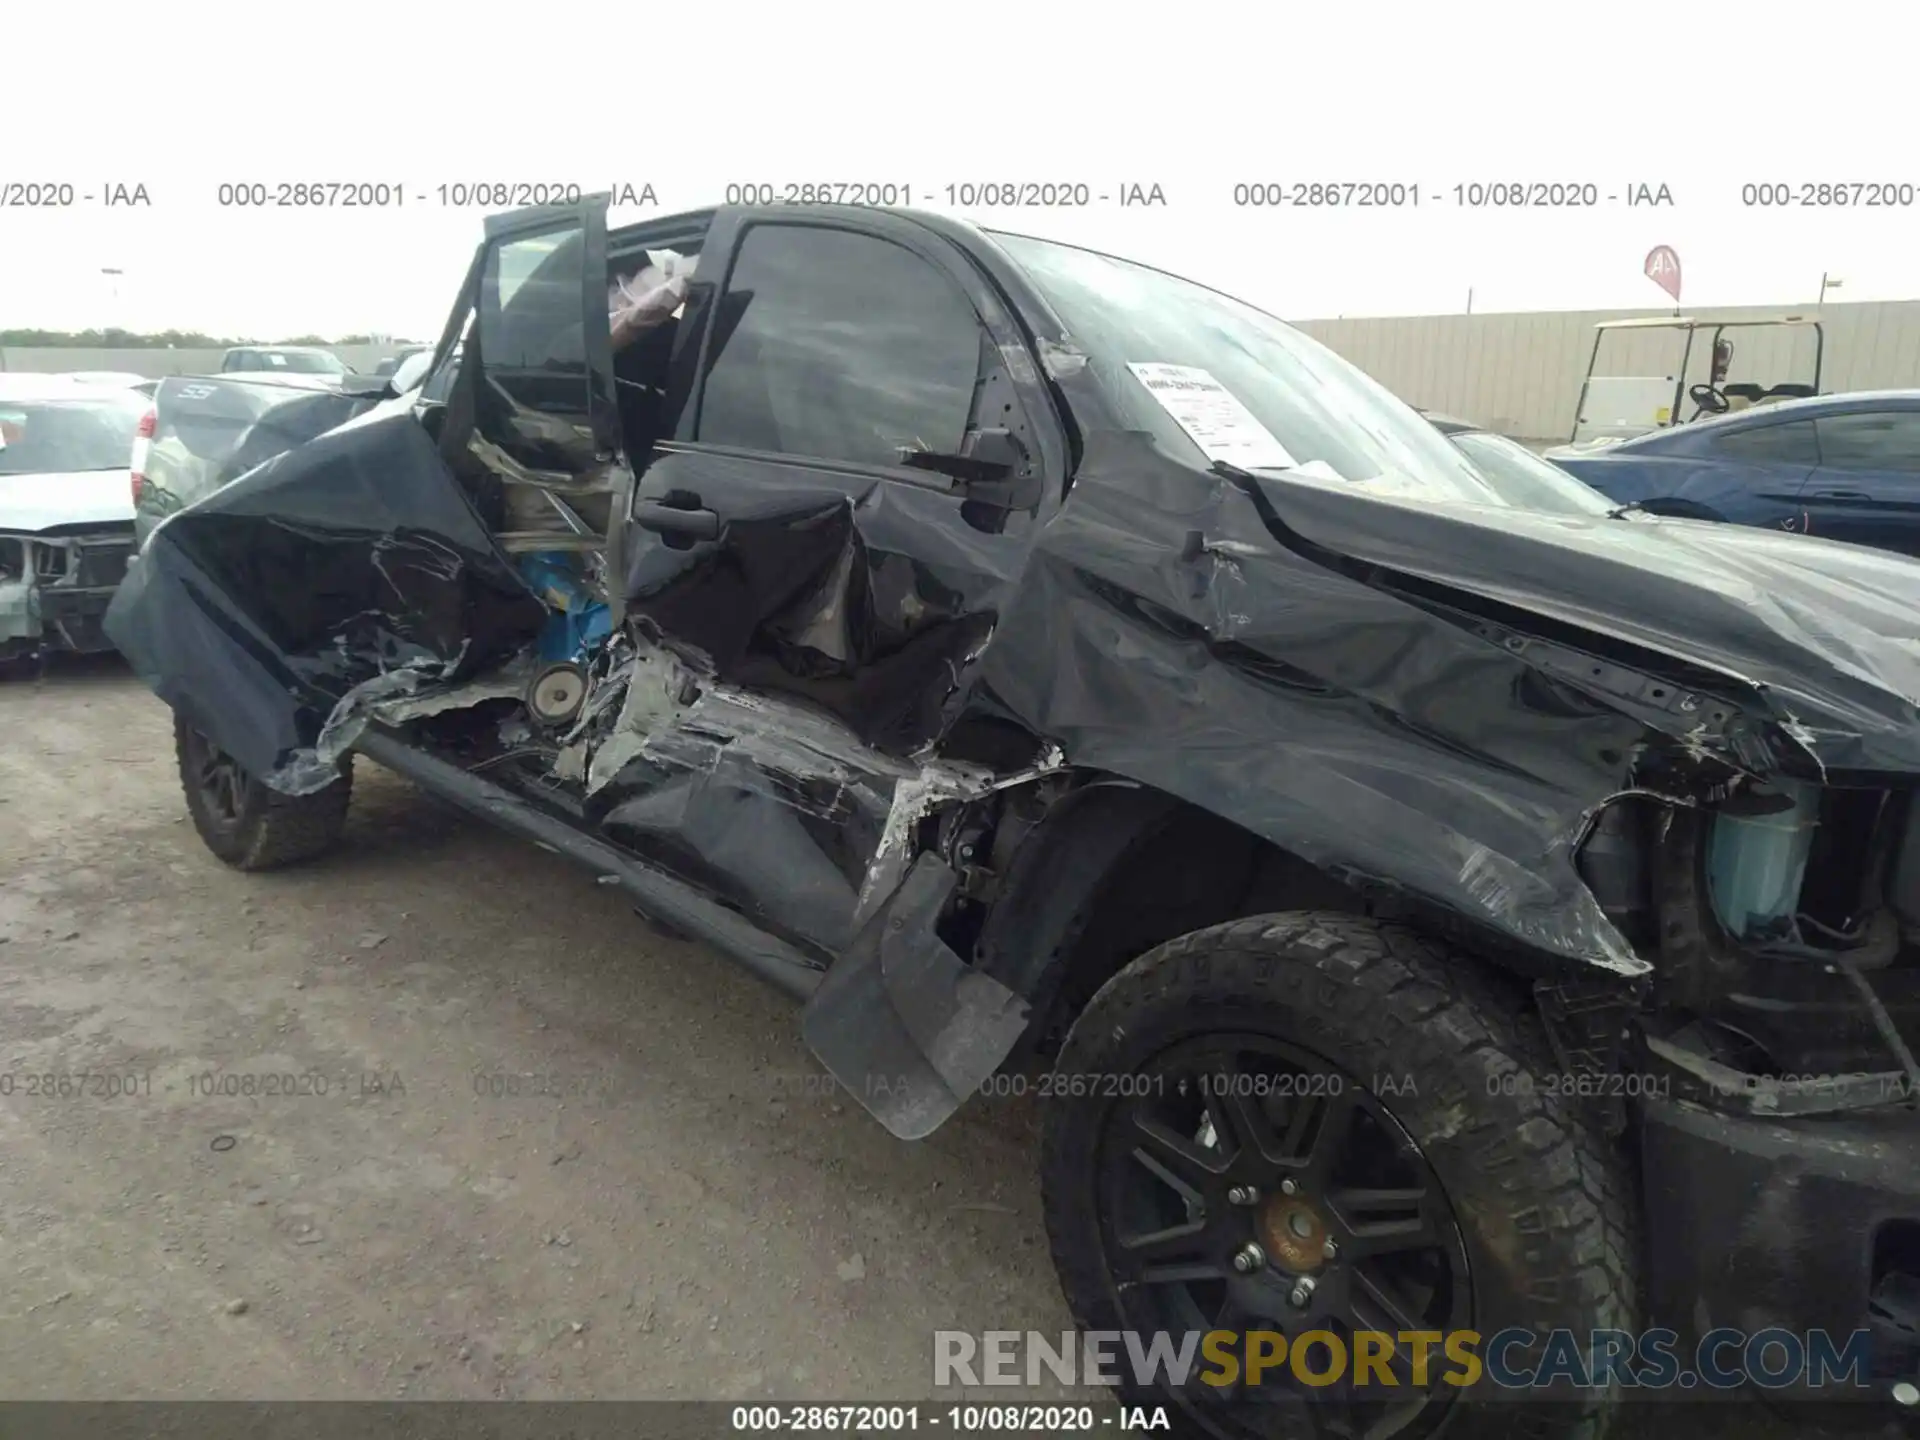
(121, 379)
(66, 511)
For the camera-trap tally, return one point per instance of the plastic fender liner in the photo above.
(904, 1023)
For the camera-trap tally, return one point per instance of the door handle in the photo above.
(671, 520)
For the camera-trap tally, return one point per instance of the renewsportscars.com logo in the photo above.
(1515, 1359)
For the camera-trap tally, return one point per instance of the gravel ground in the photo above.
(684, 1209)
(688, 1211)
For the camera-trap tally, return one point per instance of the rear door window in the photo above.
(1792, 442)
(1873, 440)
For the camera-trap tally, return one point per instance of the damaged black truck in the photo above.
(1422, 910)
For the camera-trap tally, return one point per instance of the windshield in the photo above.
(1306, 410)
(298, 362)
(306, 362)
(1527, 482)
(53, 436)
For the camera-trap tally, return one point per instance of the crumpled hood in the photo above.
(81, 497)
(1829, 632)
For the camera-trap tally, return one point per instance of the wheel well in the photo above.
(1116, 870)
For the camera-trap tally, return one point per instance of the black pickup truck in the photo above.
(1420, 905)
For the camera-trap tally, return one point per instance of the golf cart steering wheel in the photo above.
(1708, 400)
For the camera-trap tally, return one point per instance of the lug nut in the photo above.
(1301, 1293)
(1906, 1394)
(1242, 1195)
(1330, 1251)
(1249, 1258)
(1287, 1187)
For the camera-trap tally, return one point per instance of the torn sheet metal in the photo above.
(1827, 634)
(278, 610)
(1370, 737)
(765, 800)
(869, 601)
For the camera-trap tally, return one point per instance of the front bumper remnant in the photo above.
(1803, 1223)
(55, 589)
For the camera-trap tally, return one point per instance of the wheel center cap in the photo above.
(1293, 1233)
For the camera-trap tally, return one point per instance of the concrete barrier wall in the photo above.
(1521, 374)
(157, 363)
(1517, 373)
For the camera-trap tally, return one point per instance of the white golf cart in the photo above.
(1616, 407)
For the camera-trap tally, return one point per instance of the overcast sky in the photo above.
(1195, 98)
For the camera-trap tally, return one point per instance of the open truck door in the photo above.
(381, 557)
(531, 419)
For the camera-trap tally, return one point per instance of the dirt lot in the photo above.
(556, 1156)
(684, 1210)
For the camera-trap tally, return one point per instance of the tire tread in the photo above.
(1425, 1003)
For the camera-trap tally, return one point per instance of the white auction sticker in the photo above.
(1213, 416)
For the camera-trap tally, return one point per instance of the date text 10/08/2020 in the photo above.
(396, 194)
(1464, 195)
(959, 1419)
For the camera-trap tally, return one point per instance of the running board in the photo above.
(661, 896)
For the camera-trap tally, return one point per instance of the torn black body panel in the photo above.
(1803, 1223)
(1344, 724)
(685, 909)
(1824, 637)
(868, 598)
(349, 560)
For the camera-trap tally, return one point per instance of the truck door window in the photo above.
(842, 346)
(534, 398)
(1884, 440)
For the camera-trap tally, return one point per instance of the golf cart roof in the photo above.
(1688, 322)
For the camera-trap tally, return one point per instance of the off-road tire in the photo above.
(1529, 1176)
(263, 829)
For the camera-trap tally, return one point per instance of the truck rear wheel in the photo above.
(1317, 1123)
(247, 824)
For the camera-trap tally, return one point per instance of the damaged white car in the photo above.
(66, 512)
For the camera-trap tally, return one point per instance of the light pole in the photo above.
(113, 274)
(1827, 283)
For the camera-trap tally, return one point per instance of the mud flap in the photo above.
(904, 1023)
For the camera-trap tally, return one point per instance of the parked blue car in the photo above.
(1843, 467)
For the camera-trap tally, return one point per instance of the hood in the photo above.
(1828, 633)
(79, 497)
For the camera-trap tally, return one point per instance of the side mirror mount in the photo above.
(992, 467)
